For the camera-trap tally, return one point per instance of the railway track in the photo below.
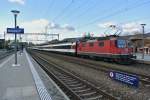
(75, 87)
(6, 54)
(143, 62)
(145, 79)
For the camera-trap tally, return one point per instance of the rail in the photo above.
(105, 68)
(6, 53)
(75, 87)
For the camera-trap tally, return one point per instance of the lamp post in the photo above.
(4, 40)
(143, 25)
(15, 12)
(46, 28)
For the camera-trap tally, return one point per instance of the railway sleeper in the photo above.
(145, 79)
(68, 80)
(75, 85)
(71, 81)
(83, 90)
(74, 82)
(92, 95)
(98, 97)
(58, 74)
(80, 87)
(61, 75)
(88, 93)
(65, 77)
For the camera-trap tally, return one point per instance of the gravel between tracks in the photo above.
(55, 93)
(102, 80)
(136, 68)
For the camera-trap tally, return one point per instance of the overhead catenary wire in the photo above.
(120, 24)
(114, 14)
(48, 10)
(63, 11)
(77, 8)
(83, 12)
(105, 10)
(87, 3)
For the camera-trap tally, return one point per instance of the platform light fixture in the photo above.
(143, 32)
(15, 12)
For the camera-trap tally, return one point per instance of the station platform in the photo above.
(145, 60)
(21, 82)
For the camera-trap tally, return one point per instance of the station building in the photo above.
(137, 41)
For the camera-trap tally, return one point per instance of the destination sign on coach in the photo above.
(129, 79)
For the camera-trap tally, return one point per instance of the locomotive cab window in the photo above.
(121, 43)
(101, 44)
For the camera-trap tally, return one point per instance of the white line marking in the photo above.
(66, 97)
(44, 95)
(3, 63)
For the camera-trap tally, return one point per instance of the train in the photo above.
(109, 48)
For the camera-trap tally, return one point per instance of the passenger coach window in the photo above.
(91, 44)
(63, 47)
(101, 44)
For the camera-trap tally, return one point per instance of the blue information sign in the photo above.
(129, 79)
(15, 30)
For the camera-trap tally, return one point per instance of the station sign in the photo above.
(15, 30)
(125, 78)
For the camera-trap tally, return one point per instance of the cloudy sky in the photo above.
(72, 18)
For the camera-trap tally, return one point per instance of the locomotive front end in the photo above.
(124, 50)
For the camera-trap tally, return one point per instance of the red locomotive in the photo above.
(110, 48)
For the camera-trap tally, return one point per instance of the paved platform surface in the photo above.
(146, 57)
(16, 82)
(2, 51)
